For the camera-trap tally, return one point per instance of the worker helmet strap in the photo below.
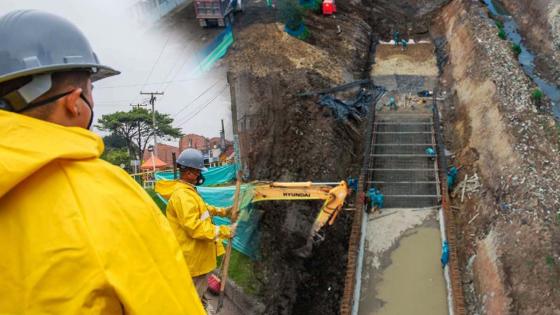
(20, 99)
(43, 102)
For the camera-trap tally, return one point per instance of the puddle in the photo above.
(413, 283)
(526, 57)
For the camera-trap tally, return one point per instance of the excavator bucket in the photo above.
(332, 207)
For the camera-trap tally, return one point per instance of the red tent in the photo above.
(148, 164)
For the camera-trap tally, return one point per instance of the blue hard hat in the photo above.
(191, 158)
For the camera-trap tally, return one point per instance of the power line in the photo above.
(154, 65)
(157, 60)
(177, 72)
(187, 43)
(212, 98)
(196, 98)
(193, 115)
(143, 84)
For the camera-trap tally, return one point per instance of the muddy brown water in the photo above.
(413, 283)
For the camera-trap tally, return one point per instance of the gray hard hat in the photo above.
(191, 158)
(36, 44)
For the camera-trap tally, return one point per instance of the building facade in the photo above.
(165, 153)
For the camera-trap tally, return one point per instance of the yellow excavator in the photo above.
(334, 195)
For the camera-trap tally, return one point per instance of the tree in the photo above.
(116, 151)
(114, 141)
(135, 127)
(117, 157)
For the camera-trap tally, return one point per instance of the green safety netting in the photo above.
(213, 176)
(214, 51)
(246, 237)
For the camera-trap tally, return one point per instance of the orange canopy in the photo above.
(148, 164)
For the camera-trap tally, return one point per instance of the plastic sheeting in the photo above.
(358, 107)
(310, 4)
(246, 238)
(214, 51)
(297, 33)
(213, 176)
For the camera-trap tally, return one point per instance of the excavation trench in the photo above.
(400, 269)
(491, 129)
(287, 137)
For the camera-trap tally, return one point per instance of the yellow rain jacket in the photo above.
(191, 220)
(78, 235)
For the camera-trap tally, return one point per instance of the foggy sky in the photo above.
(123, 43)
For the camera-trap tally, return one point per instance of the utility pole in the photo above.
(223, 137)
(136, 106)
(232, 86)
(153, 103)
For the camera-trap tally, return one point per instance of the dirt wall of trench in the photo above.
(509, 229)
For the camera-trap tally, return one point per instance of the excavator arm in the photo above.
(334, 196)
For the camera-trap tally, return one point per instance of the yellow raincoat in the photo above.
(78, 235)
(191, 220)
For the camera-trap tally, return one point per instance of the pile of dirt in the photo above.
(295, 54)
(510, 229)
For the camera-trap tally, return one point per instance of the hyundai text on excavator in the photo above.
(334, 195)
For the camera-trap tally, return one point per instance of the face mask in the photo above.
(90, 109)
(200, 180)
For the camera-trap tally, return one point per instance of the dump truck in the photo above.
(215, 12)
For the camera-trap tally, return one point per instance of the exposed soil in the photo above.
(539, 22)
(418, 59)
(509, 227)
(510, 238)
(411, 18)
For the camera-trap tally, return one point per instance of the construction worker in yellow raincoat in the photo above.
(191, 220)
(77, 235)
